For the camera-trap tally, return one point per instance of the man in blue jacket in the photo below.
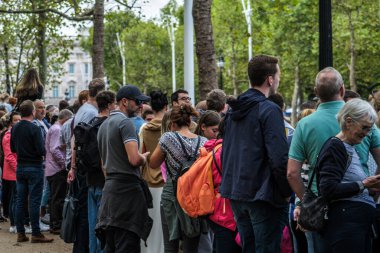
(254, 160)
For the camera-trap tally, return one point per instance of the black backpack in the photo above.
(86, 145)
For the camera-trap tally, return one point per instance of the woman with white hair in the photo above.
(344, 182)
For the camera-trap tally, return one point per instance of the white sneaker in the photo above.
(44, 227)
(12, 229)
(28, 230)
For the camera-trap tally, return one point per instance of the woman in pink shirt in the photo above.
(9, 168)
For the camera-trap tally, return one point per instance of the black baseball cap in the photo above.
(131, 92)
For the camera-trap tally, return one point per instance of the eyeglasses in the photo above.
(185, 98)
(365, 128)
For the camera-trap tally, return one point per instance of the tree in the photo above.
(205, 49)
(230, 40)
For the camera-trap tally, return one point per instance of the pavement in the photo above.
(9, 244)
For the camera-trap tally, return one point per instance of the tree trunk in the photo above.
(7, 69)
(205, 49)
(41, 44)
(296, 93)
(352, 65)
(98, 40)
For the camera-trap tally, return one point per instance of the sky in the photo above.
(149, 8)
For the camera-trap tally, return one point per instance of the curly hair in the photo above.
(181, 115)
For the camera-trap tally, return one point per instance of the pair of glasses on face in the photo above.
(365, 128)
(185, 98)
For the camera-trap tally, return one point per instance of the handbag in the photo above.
(314, 209)
(69, 216)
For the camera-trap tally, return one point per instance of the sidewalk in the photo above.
(8, 243)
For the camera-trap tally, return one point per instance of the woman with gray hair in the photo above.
(345, 184)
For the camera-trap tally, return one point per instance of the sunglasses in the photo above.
(137, 101)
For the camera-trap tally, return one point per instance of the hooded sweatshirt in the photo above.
(149, 136)
(255, 151)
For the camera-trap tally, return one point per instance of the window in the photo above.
(71, 68)
(55, 91)
(71, 91)
(86, 68)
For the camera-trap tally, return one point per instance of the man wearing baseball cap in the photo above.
(123, 214)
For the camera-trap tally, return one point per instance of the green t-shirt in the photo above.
(313, 131)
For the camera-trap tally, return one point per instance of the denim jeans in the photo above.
(94, 197)
(30, 181)
(260, 225)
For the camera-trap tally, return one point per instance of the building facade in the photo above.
(77, 74)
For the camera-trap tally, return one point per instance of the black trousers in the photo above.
(349, 227)
(224, 239)
(58, 186)
(81, 243)
(6, 196)
(121, 241)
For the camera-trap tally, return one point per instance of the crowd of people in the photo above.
(126, 189)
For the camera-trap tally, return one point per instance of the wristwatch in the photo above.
(361, 186)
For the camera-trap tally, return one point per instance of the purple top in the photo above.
(55, 152)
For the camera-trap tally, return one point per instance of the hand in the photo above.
(372, 181)
(296, 213)
(71, 176)
(145, 156)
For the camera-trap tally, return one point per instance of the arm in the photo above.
(276, 147)
(71, 174)
(39, 142)
(156, 158)
(332, 167)
(134, 156)
(55, 146)
(9, 156)
(129, 137)
(294, 177)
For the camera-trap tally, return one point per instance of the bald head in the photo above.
(329, 85)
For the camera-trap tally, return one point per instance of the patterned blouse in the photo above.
(174, 155)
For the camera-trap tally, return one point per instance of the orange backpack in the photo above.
(195, 188)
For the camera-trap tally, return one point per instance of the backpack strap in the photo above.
(214, 160)
(316, 167)
(182, 145)
(184, 149)
(197, 147)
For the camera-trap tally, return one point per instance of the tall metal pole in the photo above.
(325, 35)
(172, 41)
(189, 49)
(121, 49)
(248, 13)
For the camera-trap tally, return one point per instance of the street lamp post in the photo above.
(220, 64)
(67, 95)
(172, 22)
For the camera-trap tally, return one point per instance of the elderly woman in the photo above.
(345, 184)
